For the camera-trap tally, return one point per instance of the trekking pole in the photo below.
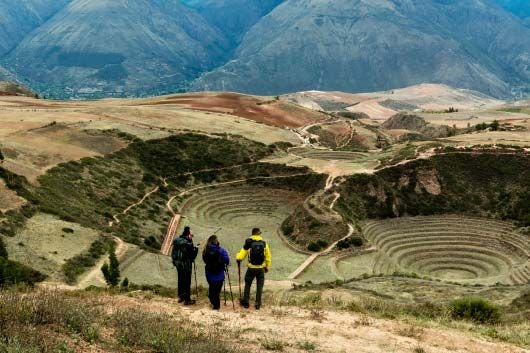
(196, 287)
(239, 276)
(224, 290)
(230, 286)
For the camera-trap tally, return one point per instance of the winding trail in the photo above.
(93, 275)
(142, 200)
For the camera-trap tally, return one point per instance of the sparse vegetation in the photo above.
(50, 322)
(272, 344)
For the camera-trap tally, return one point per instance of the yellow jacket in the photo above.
(244, 253)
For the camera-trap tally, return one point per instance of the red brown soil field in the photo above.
(271, 112)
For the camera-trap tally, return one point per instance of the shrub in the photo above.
(475, 309)
(111, 270)
(12, 272)
(313, 246)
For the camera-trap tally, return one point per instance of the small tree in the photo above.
(111, 271)
(495, 125)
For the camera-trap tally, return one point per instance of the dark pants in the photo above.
(184, 284)
(214, 293)
(259, 275)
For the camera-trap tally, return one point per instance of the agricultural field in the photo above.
(31, 153)
(267, 110)
(38, 134)
(515, 138)
(45, 243)
(451, 248)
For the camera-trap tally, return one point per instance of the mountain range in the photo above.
(99, 48)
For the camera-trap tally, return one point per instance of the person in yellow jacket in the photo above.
(259, 257)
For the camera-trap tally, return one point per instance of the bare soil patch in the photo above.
(9, 200)
(271, 112)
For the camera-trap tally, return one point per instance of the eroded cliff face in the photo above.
(484, 184)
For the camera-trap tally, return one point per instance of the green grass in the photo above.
(78, 264)
(47, 247)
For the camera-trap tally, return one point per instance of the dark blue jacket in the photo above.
(218, 277)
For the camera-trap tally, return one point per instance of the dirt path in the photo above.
(93, 275)
(141, 201)
(295, 329)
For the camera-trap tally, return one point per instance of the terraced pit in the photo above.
(313, 153)
(236, 210)
(452, 248)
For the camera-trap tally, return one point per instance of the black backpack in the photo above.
(257, 252)
(214, 260)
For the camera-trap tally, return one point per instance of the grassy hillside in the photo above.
(487, 184)
(141, 178)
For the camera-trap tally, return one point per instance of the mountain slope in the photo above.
(520, 8)
(97, 47)
(19, 17)
(233, 17)
(364, 45)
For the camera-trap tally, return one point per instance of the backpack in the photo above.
(214, 260)
(257, 252)
(178, 253)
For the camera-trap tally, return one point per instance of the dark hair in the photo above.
(256, 231)
(186, 232)
(211, 240)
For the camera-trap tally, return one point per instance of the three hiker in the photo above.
(216, 260)
(255, 250)
(259, 257)
(183, 254)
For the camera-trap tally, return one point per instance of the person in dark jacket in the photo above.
(183, 254)
(216, 259)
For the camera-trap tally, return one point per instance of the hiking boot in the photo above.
(189, 302)
(257, 306)
(244, 304)
(180, 300)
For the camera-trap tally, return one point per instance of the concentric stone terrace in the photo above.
(454, 248)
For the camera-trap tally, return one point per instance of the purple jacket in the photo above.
(218, 277)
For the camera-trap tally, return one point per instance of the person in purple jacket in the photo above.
(216, 260)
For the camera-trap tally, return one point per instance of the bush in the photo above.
(12, 272)
(313, 246)
(475, 309)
